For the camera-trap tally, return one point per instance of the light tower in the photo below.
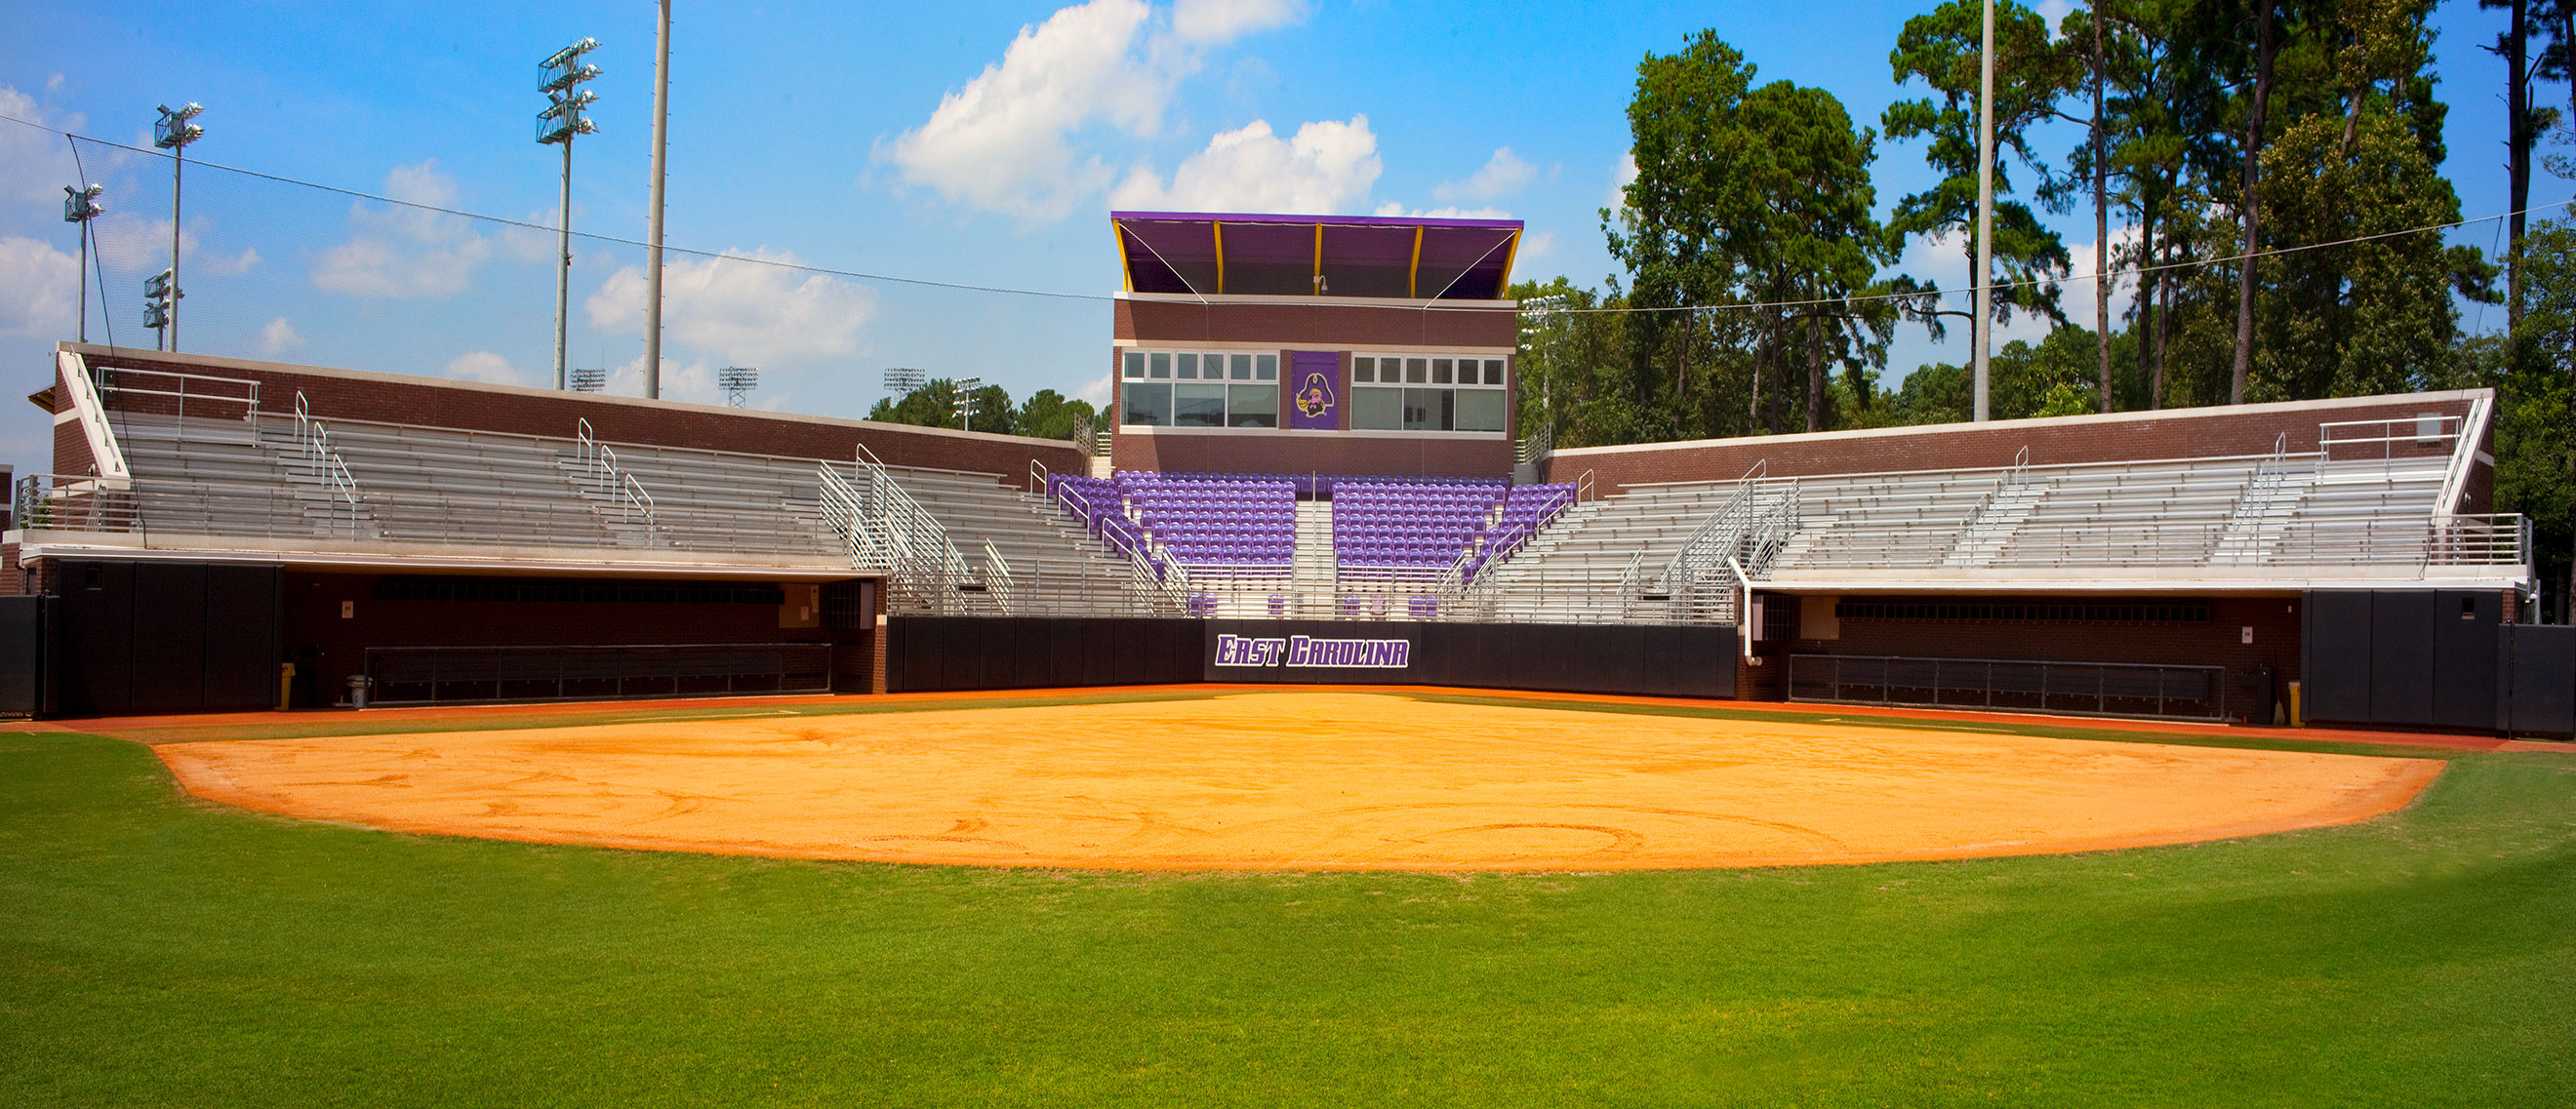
(589, 379)
(736, 381)
(81, 206)
(562, 120)
(966, 402)
(173, 133)
(160, 306)
(900, 380)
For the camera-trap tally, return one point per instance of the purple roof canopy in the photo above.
(1407, 257)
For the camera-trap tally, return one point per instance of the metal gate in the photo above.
(2082, 688)
(442, 675)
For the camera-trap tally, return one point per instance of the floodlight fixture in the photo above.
(589, 379)
(81, 206)
(558, 123)
(173, 132)
(904, 379)
(160, 297)
(736, 381)
(965, 403)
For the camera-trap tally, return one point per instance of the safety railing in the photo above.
(1695, 583)
(225, 405)
(2425, 436)
(926, 567)
(326, 466)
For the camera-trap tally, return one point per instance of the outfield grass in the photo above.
(155, 949)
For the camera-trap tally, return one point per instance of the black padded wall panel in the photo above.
(2401, 657)
(2464, 658)
(22, 655)
(2335, 647)
(2539, 675)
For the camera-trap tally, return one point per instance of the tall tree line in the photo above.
(2256, 172)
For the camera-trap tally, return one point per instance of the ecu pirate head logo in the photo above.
(1314, 397)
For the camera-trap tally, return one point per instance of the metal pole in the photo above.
(1985, 206)
(82, 279)
(653, 236)
(178, 158)
(563, 271)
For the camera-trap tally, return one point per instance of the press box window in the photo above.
(1463, 394)
(1201, 392)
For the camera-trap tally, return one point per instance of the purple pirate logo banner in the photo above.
(1315, 390)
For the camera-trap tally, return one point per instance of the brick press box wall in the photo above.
(1345, 329)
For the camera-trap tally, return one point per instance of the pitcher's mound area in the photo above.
(1298, 780)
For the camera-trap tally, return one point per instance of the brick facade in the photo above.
(1344, 328)
(437, 402)
(2126, 436)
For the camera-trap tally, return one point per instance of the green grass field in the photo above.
(158, 950)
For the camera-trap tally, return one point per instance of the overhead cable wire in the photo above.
(1432, 306)
(508, 222)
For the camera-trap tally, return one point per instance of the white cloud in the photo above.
(1536, 245)
(1328, 166)
(130, 244)
(1620, 178)
(482, 365)
(400, 251)
(34, 165)
(1396, 208)
(1095, 390)
(1502, 175)
(39, 289)
(279, 339)
(1215, 21)
(1002, 142)
(741, 311)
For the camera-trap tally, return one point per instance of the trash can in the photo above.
(358, 684)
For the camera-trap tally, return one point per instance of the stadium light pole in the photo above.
(966, 402)
(173, 133)
(653, 230)
(81, 206)
(562, 120)
(1985, 209)
(736, 381)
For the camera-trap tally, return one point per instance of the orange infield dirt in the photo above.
(1297, 780)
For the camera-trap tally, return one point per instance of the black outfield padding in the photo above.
(162, 637)
(22, 655)
(1689, 661)
(2538, 679)
(929, 653)
(935, 653)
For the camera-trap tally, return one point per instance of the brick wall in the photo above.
(1312, 453)
(436, 402)
(2127, 436)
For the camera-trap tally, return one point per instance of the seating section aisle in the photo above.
(1527, 511)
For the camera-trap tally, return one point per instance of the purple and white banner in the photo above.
(1308, 651)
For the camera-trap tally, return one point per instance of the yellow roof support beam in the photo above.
(1219, 230)
(1413, 276)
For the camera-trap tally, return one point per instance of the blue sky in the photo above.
(970, 142)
